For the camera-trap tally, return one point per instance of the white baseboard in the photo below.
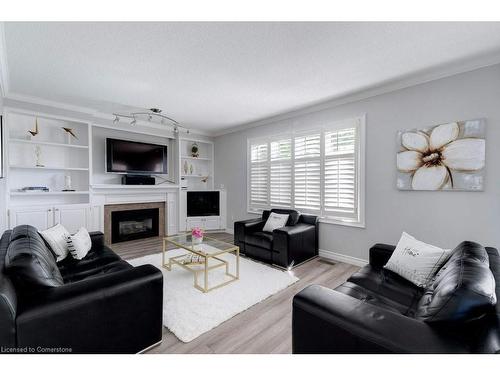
(230, 231)
(328, 254)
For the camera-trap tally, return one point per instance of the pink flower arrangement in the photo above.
(197, 232)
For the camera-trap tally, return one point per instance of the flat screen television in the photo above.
(203, 203)
(135, 157)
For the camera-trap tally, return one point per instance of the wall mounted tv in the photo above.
(135, 157)
(203, 203)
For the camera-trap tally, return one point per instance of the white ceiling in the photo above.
(213, 76)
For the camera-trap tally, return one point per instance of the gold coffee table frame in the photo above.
(184, 241)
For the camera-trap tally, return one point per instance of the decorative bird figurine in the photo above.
(70, 131)
(34, 131)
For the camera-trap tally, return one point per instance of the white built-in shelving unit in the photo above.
(61, 155)
(83, 159)
(196, 173)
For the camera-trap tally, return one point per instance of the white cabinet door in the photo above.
(95, 218)
(212, 223)
(193, 223)
(72, 216)
(40, 217)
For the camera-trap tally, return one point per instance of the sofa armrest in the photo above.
(244, 227)
(294, 243)
(97, 239)
(120, 312)
(380, 254)
(327, 321)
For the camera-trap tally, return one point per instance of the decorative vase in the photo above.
(186, 167)
(38, 157)
(197, 240)
(191, 169)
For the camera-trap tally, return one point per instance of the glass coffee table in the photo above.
(209, 252)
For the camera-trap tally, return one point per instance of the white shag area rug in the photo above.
(188, 313)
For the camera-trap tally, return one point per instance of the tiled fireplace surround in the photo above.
(109, 208)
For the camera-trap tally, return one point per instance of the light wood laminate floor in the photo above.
(265, 327)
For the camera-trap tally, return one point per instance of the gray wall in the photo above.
(440, 218)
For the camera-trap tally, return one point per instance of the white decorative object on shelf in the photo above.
(38, 156)
(186, 167)
(67, 183)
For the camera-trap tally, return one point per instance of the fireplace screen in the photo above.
(134, 224)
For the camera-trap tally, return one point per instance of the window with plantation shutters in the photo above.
(259, 175)
(317, 171)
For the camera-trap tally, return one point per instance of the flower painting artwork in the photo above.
(443, 157)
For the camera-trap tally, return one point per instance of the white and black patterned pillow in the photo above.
(275, 221)
(416, 261)
(56, 238)
(79, 244)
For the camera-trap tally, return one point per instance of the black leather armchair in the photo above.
(284, 247)
(376, 311)
(100, 304)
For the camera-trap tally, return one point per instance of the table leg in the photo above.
(238, 263)
(206, 274)
(163, 254)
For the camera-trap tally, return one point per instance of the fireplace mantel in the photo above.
(113, 194)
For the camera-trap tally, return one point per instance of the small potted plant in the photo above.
(195, 152)
(197, 235)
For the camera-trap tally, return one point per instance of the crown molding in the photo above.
(401, 83)
(49, 103)
(4, 68)
(95, 114)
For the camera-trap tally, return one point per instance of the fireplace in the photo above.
(133, 221)
(134, 224)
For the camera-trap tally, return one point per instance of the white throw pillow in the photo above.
(56, 238)
(275, 221)
(79, 244)
(416, 261)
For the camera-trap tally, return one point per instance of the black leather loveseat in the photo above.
(100, 304)
(376, 311)
(284, 247)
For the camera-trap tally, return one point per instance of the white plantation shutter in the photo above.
(307, 172)
(281, 173)
(259, 176)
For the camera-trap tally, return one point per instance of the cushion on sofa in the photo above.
(275, 221)
(260, 239)
(390, 285)
(415, 260)
(56, 238)
(293, 217)
(31, 264)
(97, 271)
(463, 289)
(371, 297)
(96, 258)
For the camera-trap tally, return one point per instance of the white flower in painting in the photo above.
(431, 158)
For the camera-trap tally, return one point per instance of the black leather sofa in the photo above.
(376, 311)
(100, 304)
(284, 247)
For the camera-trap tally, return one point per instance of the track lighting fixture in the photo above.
(150, 115)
